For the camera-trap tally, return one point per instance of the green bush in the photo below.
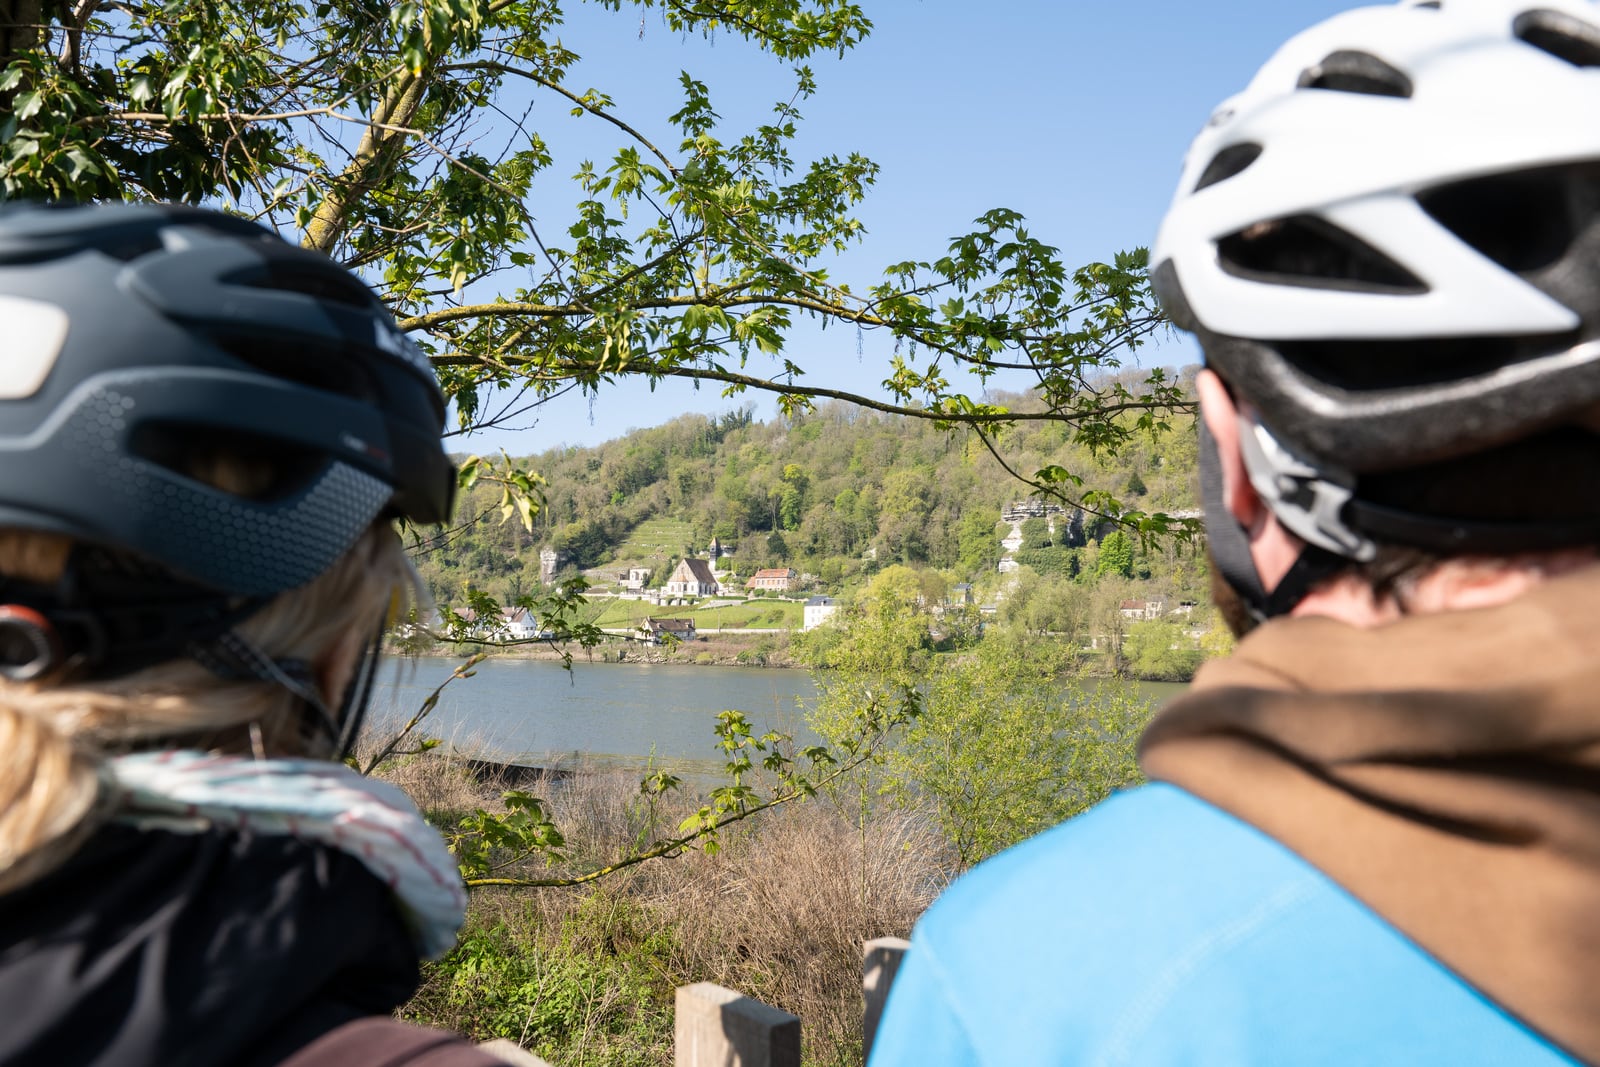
(1008, 744)
(1053, 562)
(1159, 651)
(595, 995)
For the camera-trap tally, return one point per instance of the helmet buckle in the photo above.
(29, 644)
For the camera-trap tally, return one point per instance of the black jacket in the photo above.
(161, 949)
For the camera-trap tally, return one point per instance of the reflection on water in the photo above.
(534, 712)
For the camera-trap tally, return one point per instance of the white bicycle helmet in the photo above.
(1389, 248)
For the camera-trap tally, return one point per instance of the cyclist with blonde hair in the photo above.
(206, 436)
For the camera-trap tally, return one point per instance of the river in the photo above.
(620, 714)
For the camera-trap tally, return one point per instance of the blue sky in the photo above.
(1075, 114)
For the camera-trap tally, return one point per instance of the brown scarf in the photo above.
(1444, 769)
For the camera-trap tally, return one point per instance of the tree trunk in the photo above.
(21, 27)
(375, 157)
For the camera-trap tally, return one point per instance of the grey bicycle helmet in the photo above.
(134, 335)
(1388, 246)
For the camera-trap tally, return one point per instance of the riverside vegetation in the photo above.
(595, 896)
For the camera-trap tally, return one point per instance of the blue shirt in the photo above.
(1159, 930)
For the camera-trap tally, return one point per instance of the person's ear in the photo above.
(1222, 419)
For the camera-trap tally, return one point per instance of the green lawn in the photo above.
(761, 614)
(625, 613)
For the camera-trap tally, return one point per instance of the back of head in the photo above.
(1388, 246)
(207, 433)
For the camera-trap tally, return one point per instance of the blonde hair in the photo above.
(55, 733)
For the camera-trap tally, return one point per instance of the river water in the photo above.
(533, 711)
(619, 714)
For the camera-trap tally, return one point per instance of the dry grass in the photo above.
(779, 913)
(437, 782)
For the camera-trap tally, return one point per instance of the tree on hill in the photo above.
(940, 506)
(978, 542)
(1116, 556)
(373, 132)
(1036, 533)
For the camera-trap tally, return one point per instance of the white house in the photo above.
(818, 610)
(519, 624)
(692, 577)
(659, 630)
(1143, 609)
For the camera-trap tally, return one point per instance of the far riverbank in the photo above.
(763, 650)
(709, 650)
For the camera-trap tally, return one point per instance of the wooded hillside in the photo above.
(836, 494)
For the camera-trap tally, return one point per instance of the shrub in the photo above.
(589, 992)
(1160, 651)
(585, 976)
(1005, 747)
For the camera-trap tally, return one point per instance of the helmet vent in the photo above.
(124, 245)
(1524, 222)
(1410, 363)
(331, 285)
(1561, 35)
(1309, 251)
(322, 367)
(227, 459)
(1228, 162)
(128, 247)
(1356, 72)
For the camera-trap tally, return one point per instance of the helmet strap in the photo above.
(357, 697)
(231, 657)
(1230, 548)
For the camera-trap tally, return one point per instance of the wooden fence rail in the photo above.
(717, 1027)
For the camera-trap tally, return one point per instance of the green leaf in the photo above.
(469, 472)
(81, 164)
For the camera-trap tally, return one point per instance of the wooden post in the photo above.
(716, 1027)
(511, 1053)
(880, 962)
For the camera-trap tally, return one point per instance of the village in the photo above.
(704, 593)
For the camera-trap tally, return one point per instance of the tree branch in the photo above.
(678, 845)
(598, 112)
